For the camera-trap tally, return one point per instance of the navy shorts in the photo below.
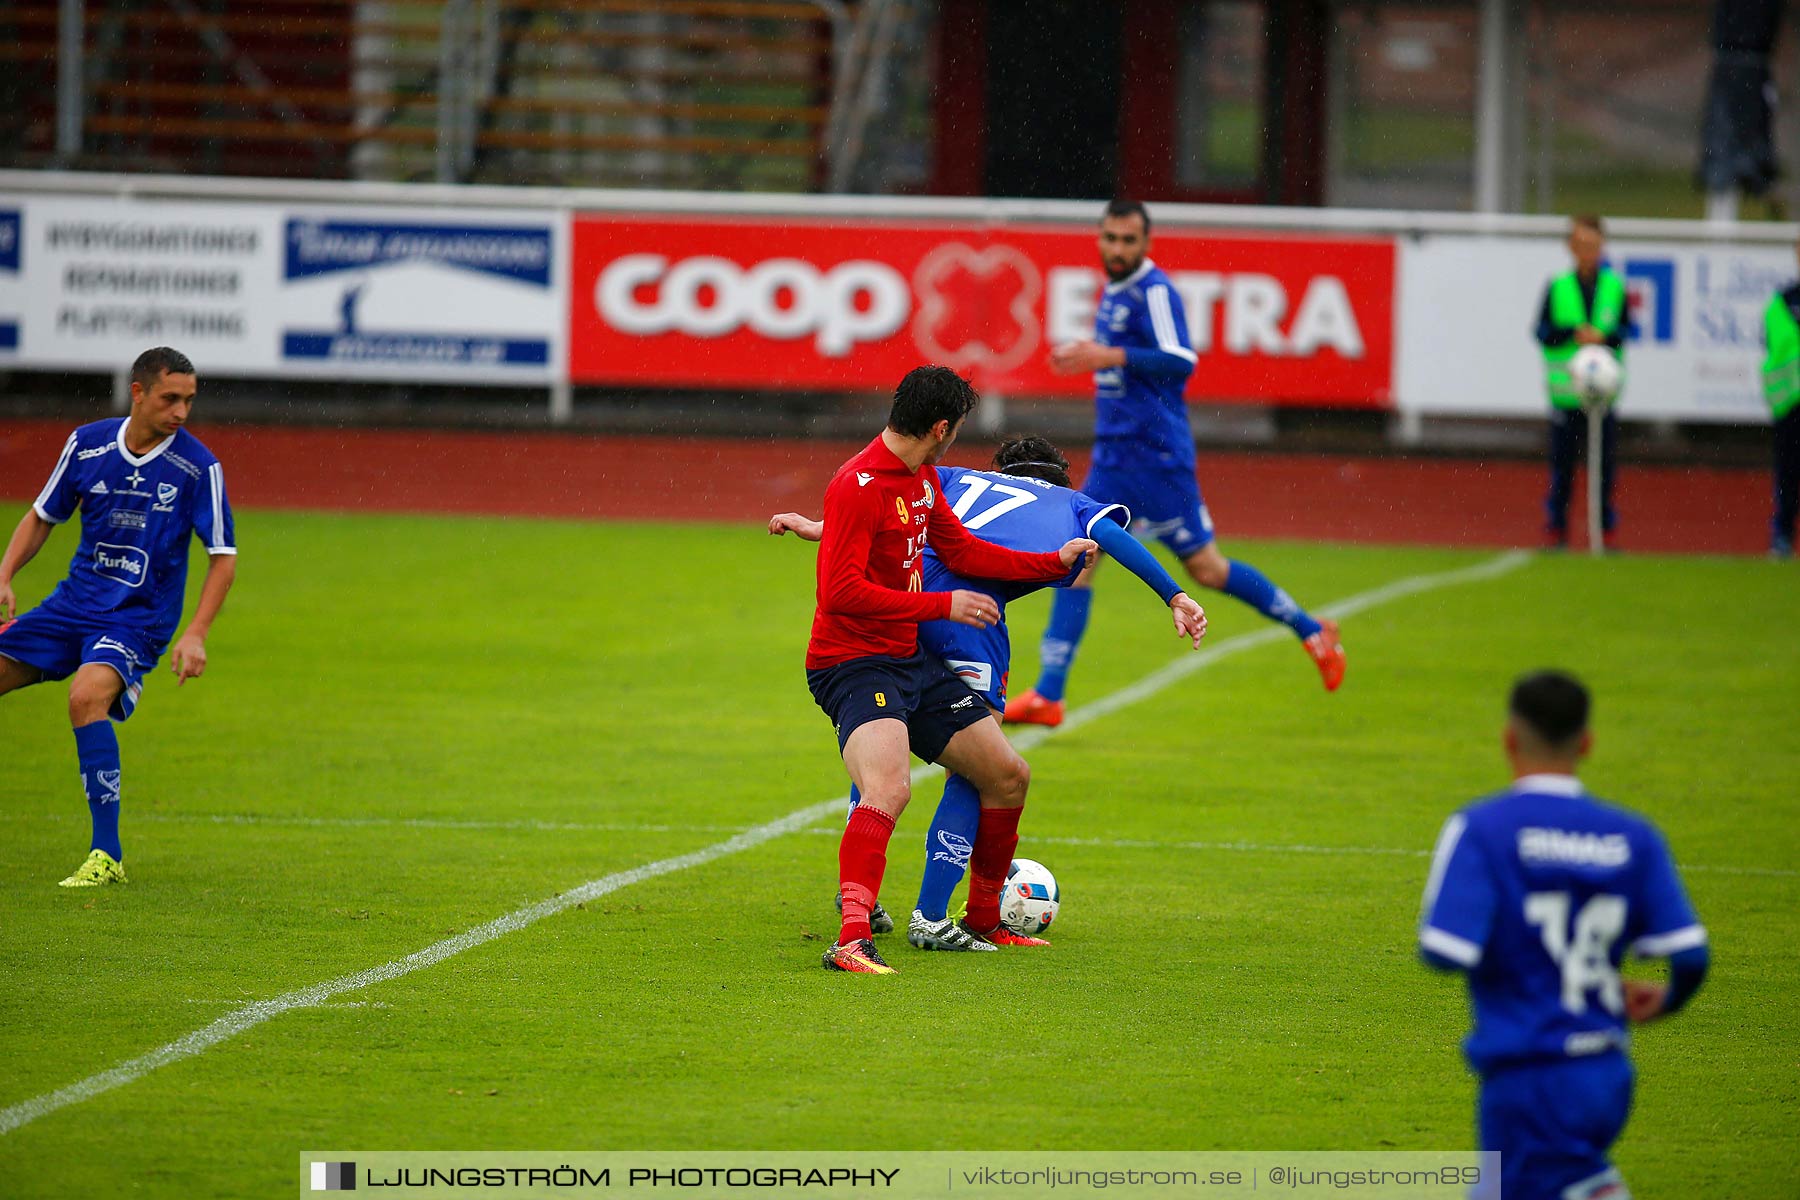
(919, 690)
(59, 644)
(1553, 1124)
(981, 658)
(1163, 495)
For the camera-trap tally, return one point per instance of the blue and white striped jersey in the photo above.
(1536, 894)
(136, 516)
(1140, 412)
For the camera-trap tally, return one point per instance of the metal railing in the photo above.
(728, 94)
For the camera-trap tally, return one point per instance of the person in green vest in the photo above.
(1781, 388)
(1583, 307)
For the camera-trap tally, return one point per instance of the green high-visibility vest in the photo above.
(1781, 369)
(1566, 308)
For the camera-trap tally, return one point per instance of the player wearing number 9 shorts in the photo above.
(1025, 504)
(1535, 895)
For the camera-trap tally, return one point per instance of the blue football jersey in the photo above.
(1139, 414)
(1018, 513)
(137, 513)
(1537, 893)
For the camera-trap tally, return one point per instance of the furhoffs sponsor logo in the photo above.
(126, 564)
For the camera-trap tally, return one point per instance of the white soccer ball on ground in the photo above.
(1030, 899)
(1597, 375)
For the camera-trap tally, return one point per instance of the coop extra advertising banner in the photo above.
(88, 284)
(797, 304)
(1469, 306)
(464, 295)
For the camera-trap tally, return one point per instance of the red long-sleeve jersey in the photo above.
(878, 517)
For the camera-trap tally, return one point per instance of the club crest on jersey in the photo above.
(165, 497)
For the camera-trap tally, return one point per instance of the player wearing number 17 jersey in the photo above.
(1535, 895)
(863, 663)
(1024, 503)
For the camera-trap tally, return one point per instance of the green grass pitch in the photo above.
(411, 726)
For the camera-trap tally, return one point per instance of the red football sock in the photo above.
(862, 858)
(995, 840)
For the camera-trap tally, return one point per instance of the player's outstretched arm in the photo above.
(27, 539)
(189, 659)
(805, 528)
(1116, 540)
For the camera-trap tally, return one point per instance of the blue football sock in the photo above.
(1068, 621)
(97, 748)
(947, 846)
(1259, 592)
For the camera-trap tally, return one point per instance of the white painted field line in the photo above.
(278, 820)
(254, 1014)
(251, 1015)
(1186, 665)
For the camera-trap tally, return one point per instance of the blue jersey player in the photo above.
(1535, 895)
(1024, 503)
(1141, 357)
(143, 486)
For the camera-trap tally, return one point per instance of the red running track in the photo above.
(1451, 502)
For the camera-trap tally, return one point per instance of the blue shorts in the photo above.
(919, 690)
(1553, 1124)
(981, 658)
(1162, 494)
(58, 644)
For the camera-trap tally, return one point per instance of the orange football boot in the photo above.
(1327, 653)
(1029, 708)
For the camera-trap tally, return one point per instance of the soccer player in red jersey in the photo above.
(867, 672)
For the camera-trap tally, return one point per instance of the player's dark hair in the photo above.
(926, 396)
(1034, 458)
(1128, 208)
(152, 363)
(1589, 221)
(1553, 705)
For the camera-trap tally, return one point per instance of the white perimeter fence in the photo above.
(1419, 313)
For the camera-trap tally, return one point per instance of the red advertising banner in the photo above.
(1300, 319)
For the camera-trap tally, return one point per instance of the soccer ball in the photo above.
(1596, 374)
(1030, 899)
